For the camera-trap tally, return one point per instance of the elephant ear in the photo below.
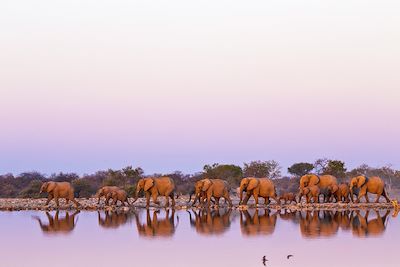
(149, 183)
(206, 185)
(361, 180)
(51, 186)
(253, 183)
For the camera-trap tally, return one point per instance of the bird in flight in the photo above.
(264, 260)
(288, 256)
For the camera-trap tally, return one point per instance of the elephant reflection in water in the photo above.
(318, 224)
(258, 224)
(58, 225)
(112, 219)
(210, 222)
(362, 226)
(155, 227)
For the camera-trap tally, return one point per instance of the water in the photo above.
(207, 238)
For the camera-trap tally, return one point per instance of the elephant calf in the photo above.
(343, 193)
(311, 192)
(106, 191)
(120, 195)
(205, 189)
(287, 197)
(58, 190)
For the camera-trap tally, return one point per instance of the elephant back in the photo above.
(326, 180)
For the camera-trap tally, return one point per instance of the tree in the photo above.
(335, 168)
(32, 190)
(320, 165)
(269, 168)
(82, 188)
(300, 169)
(229, 172)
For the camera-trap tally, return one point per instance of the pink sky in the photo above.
(173, 85)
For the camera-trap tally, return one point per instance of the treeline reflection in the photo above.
(260, 222)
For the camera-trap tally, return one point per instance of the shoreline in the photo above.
(19, 204)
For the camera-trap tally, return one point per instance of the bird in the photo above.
(288, 256)
(264, 260)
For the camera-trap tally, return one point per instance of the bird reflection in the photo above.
(57, 225)
(260, 223)
(156, 227)
(210, 222)
(112, 219)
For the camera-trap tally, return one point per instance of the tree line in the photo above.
(27, 184)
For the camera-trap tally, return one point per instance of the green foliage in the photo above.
(335, 168)
(300, 169)
(32, 190)
(83, 188)
(231, 173)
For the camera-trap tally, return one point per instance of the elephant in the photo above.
(373, 185)
(313, 225)
(211, 222)
(119, 195)
(311, 192)
(329, 192)
(287, 197)
(154, 187)
(362, 226)
(257, 187)
(104, 192)
(156, 227)
(58, 225)
(322, 181)
(343, 193)
(112, 220)
(208, 188)
(343, 218)
(258, 224)
(58, 190)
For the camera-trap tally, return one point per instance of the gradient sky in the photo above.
(173, 85)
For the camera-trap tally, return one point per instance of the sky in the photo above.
(173, 85)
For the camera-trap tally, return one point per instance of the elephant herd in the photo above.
(207, 191)
(214, 222)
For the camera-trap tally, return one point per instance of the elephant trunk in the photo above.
(241, 189)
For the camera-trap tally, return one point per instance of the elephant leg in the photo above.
(227, 198)
(57, 202)
(147, 199)
(76, 203)
(49, 198)
(173, 199)
(385, 195)
(255, 195)
(98, 202)
(166, 201)
(107, 200)
(217, 201)
(366, 197)
(246, 198)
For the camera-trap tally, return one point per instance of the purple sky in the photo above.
(173, 85)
